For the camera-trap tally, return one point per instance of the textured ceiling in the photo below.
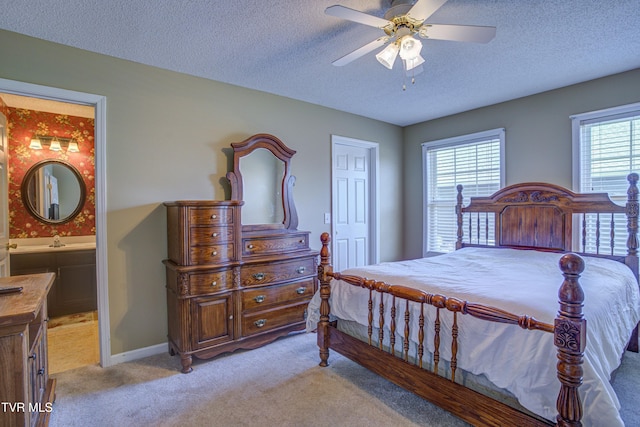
(286, 47)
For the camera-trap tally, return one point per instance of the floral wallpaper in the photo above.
(22, 126)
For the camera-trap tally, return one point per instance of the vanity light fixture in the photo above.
(73, 147)
(54, 143)
(35, 144)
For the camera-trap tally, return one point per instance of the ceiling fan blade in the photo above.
(356, 16)
(458, 33)
(424, 9)
(361, 51)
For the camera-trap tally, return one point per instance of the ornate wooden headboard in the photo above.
(541, 216)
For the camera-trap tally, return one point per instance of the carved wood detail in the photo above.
(533, 196)
(183, 284)
(570, 339)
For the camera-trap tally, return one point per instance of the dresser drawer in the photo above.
(208, 283)
(203, 255)
(263, 274)
(211, 216)
(263, 321)
(272, 295)
(275, 244)
(210, 235)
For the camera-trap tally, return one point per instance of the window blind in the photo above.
(474, 163)
(608, 150)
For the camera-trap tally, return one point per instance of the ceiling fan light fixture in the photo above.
(410, 64)
(410, 48)
(388, 55)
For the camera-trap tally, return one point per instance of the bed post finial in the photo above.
(570, 334)
(459, 216)
(632, 214)
(325, 292)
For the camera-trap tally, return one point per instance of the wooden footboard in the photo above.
(569, 331)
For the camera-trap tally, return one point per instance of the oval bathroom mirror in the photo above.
(53, 191)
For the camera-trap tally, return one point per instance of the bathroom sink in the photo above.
(26, 248)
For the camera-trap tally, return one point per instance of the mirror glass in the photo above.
(53, 191)
(262, 175)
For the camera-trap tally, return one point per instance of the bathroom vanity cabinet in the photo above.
(75, 287)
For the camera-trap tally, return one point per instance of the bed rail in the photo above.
(569, 331)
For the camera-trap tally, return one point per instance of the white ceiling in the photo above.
(286, 47)
(48, 106)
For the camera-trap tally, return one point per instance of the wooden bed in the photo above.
(525, 216)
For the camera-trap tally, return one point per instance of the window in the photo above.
(606, 147)
(474, 161)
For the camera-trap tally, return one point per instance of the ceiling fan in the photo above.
(401, 23)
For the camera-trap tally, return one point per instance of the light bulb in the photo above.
(410, 48)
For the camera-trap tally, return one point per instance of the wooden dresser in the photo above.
(232, 285)
(26, 391)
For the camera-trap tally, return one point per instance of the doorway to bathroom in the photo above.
(78, 330)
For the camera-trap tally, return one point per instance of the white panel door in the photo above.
(4, 200)
(351, 206)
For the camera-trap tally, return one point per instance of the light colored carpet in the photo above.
(277, 385)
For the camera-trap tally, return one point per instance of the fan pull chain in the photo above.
(413, 79)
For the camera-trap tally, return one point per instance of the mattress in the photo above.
(521, 282)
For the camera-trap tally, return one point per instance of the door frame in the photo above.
(5, 268)
(374, 193)
(99, 103)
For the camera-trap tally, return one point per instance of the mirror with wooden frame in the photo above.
(53, 191)
(261, 179)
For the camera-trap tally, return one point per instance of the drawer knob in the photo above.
(260, 322)
(214, 216)
(41, 371)
(260, 298)
(250, 246)
(214, 253)
(300, 270)
(301, 290)
(214, 283)
(258, 276)
(301, 241)
(33, 356)
(214, 234)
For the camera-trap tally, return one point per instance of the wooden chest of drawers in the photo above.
(227, 289)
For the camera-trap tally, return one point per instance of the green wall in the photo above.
(537, 132)
(168, 138)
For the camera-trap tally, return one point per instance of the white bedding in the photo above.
(521, 282)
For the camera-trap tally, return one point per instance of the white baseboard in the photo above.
(136, 354)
